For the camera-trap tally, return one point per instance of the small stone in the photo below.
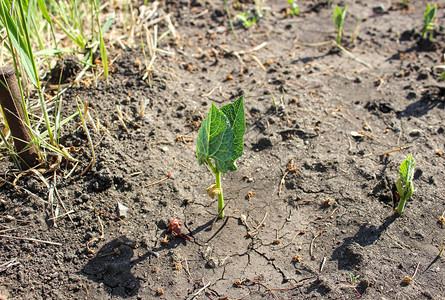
(356, 134)
(378, 9)
(213, 262)
(122, 210)
(164, 149)
(250, 179)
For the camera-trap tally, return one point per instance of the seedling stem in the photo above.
(218, 186)
(220, 195)
(220, 138)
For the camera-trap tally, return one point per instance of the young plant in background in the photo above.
(405, 4)
(247, 22)
(428, 20)
(353, 278)
(259, 8)
(339, 18)
(294, 10)
(220, 138)
(19, 21)
(442, 60)
(404, 184)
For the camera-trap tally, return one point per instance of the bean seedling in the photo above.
(220, 138)
(404, 184)
(428, 20)
(294, 10)
(339, 18)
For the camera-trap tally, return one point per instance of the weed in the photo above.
(404, 184)
(259, 8)
(442, 60)
(220, 138)
(428, 20)
(329, 3)
(19, 21)
(353, 278)
(294, 10)
(247, 22)
(339, 18)
(405, 4)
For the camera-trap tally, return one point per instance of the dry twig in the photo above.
(312, 245)
(96, 238)
(251, 233)
(394, 150)
(30, 239)
(302, 231)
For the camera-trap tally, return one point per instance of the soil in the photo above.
(289, 233)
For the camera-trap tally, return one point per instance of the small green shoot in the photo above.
(226, 7)
(404, 184)
(294, 10)
(428, 20)
(220, 138)
(259, 8)
(405, 4)
(353, 278)
(247, 22)
(442, 66)
(339, 18)
(329, 3)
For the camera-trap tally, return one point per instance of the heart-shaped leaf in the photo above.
(215, 140)
(235, 114)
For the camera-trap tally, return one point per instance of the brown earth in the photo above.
(315, 105)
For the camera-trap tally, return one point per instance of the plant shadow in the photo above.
(112, 264)
(350, 253)
(433, 97)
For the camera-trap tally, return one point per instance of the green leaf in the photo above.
(430, 13)
(404, 184)
(339, 15)
(43, 10)
(235, 114)
(17, 38)
(406, 170)
(215, 140)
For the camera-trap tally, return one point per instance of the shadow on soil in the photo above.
(350, 254)
(112, 267)
(113, 262)
(434, 97)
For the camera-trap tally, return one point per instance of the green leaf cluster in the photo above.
(247, 22)
(339, 18)
(404, 184)
(428, 19)
(295, 11)
(221, 136)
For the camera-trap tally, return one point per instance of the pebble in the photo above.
(213, 262)
(122, 210)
